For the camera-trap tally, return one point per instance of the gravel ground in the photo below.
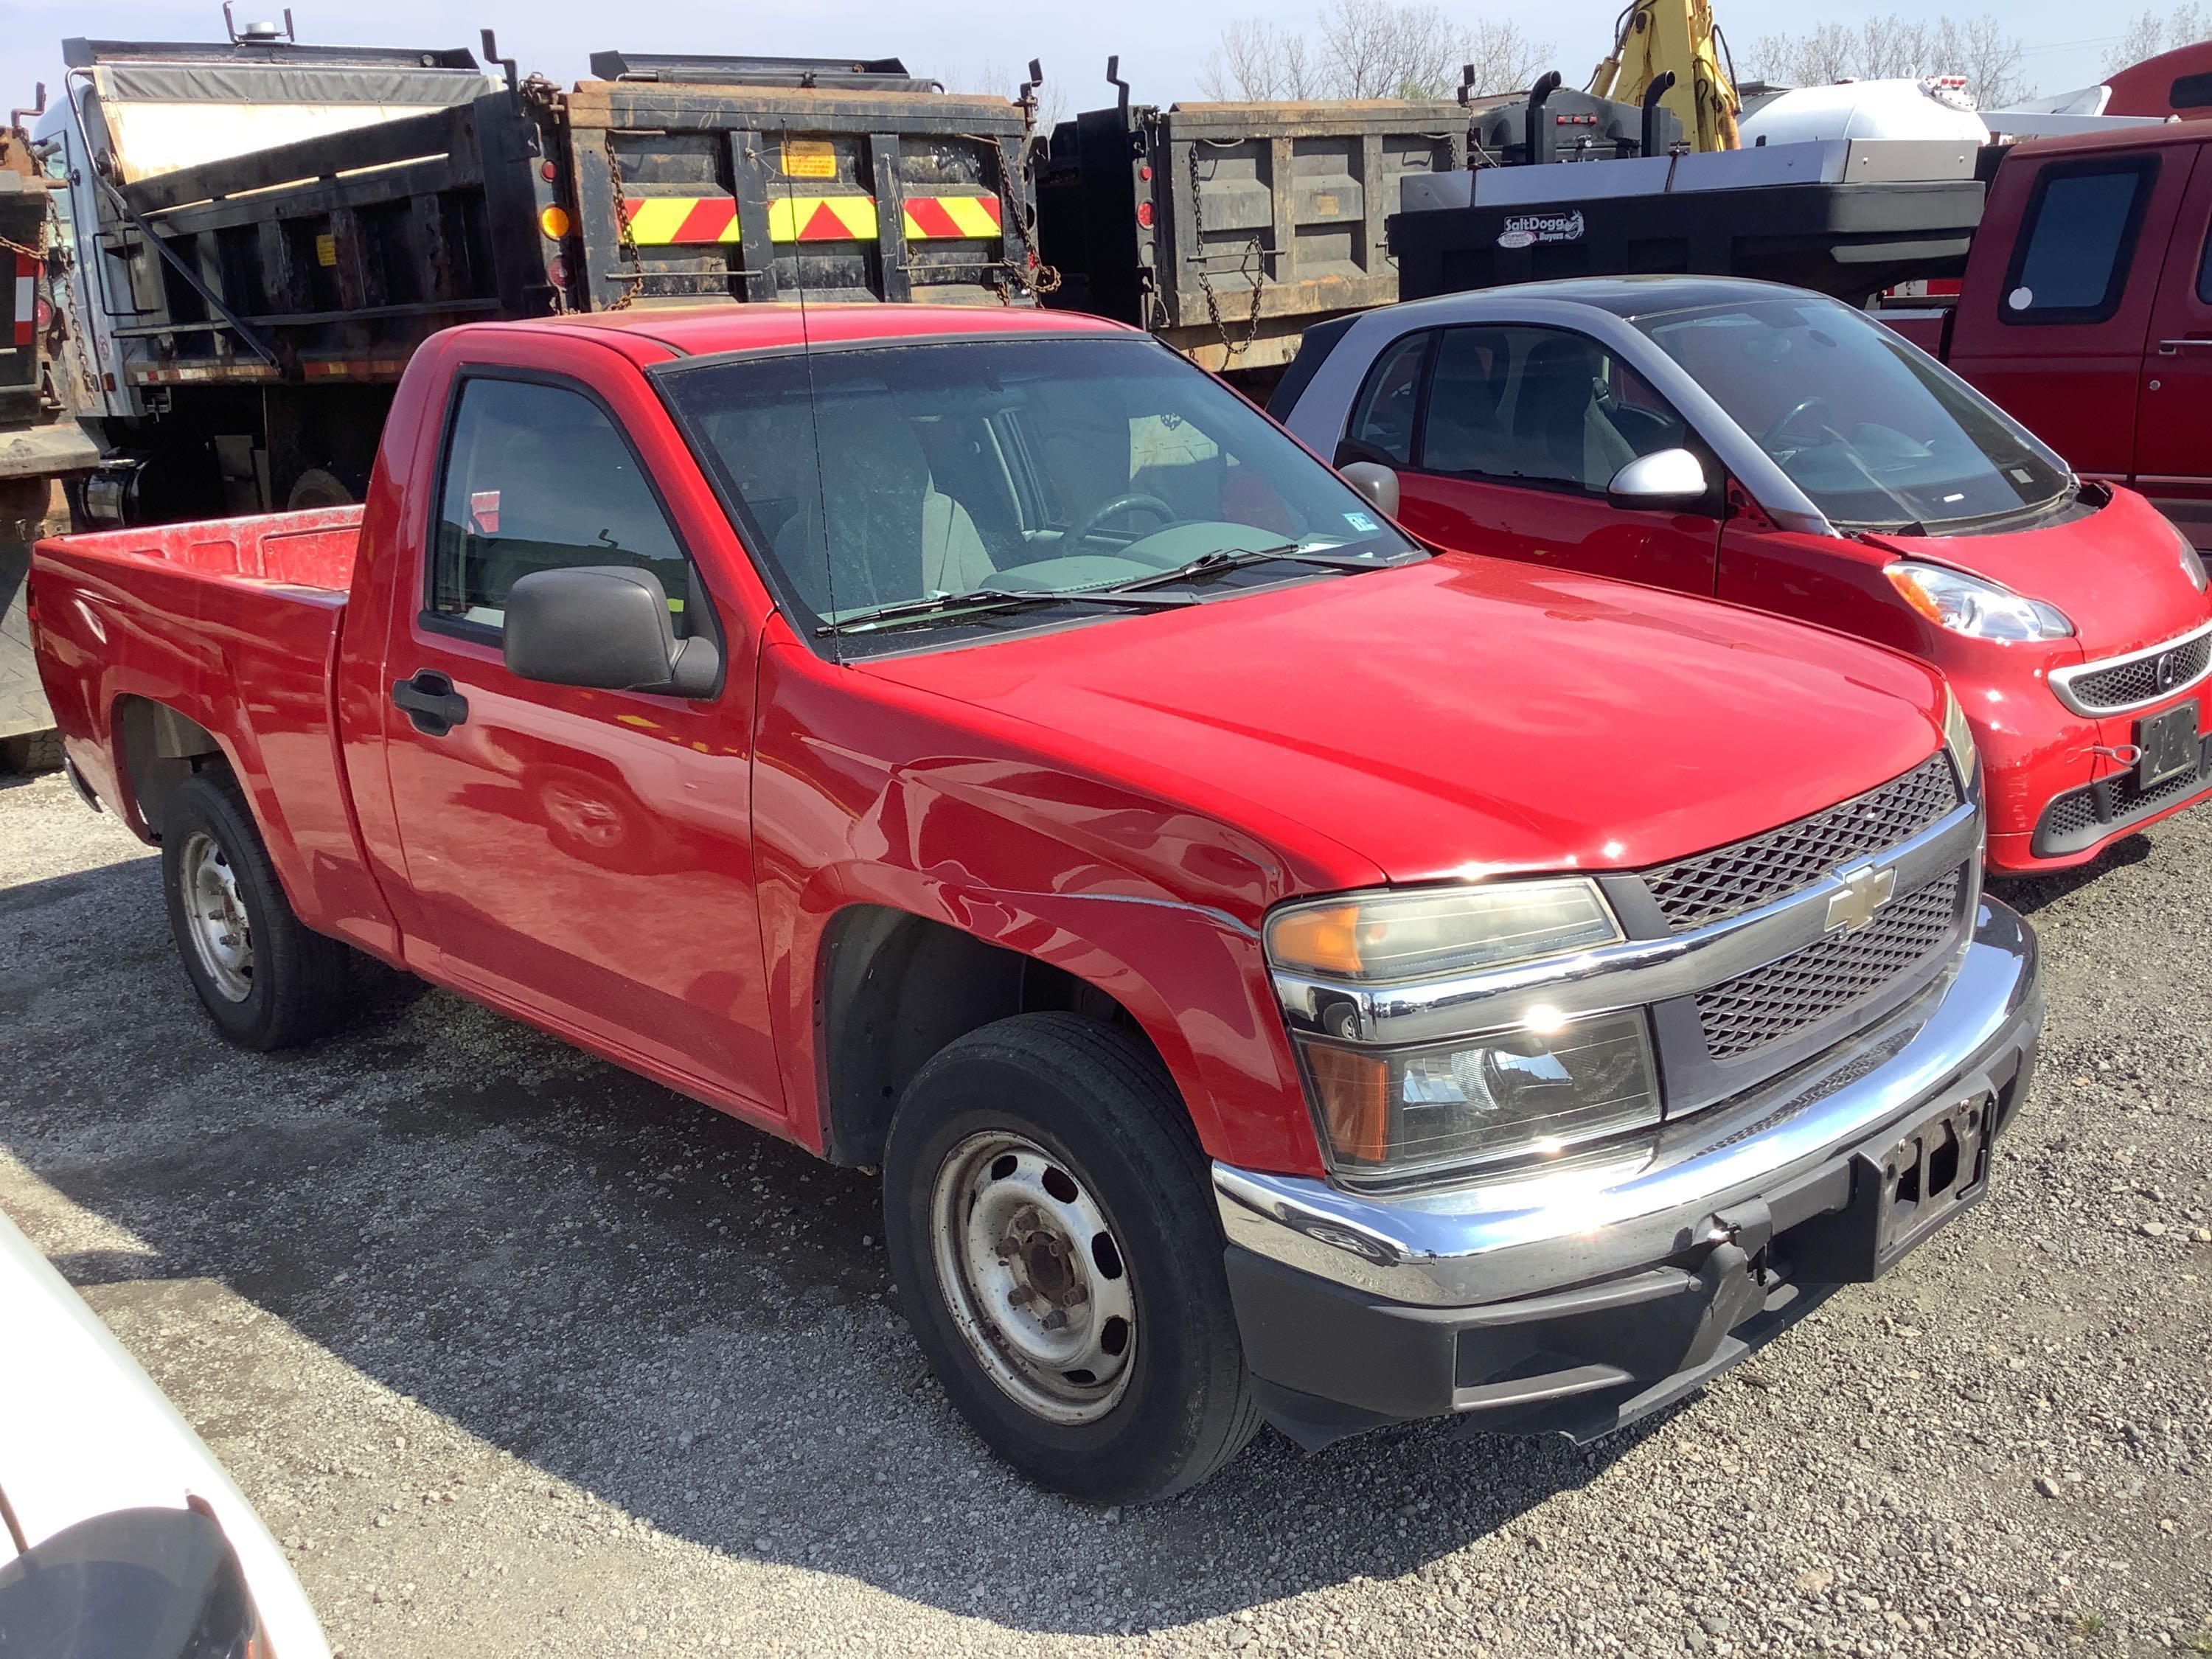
(520, 1355)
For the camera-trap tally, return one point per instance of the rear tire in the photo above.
(318, 487)
(1046, 1162)
(266, 980)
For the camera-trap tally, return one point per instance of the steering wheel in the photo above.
(1780, 429)
(1098, 515)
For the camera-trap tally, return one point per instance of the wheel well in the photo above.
(156, 749)
(896, 988)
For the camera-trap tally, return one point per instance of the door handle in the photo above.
(431, 703)
(2173, 348)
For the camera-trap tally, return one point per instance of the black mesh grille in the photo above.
(1712, 885)
(2140, 681)
(1762, 1006)
(2072, 818)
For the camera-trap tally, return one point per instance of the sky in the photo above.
(1163, 43)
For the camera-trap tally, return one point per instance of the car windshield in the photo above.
(980, 486)
(1874, 431)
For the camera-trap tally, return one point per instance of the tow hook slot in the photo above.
(1749, 1227)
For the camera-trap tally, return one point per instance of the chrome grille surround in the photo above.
(2118, 685)
(1695, 891)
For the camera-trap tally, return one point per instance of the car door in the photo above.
(2054, 331)
(581, 857)
(2173, 422)
(1505, 437)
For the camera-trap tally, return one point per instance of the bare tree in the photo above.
(1505, 56)
(1894, 46)
(2150, 33)
(1259, 61)
(998, 79)
(1987, 53)
(1370, 48)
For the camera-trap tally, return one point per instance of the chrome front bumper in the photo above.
(1505, 1239)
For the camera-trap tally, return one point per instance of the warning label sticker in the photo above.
(809, 158)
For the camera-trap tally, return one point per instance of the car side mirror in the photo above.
(606, 627)
(1377, 482)
(1666, 477)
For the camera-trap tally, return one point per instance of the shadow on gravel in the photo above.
(639, 1295)
(2028, 894)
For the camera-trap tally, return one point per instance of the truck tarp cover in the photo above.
(163, 117)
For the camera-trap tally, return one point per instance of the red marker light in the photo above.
(1144, 172)
(1144, 215)
(548, 171)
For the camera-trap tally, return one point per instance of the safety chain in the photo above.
(1042, 279)
(9, 245)
(1251, 267)
(623, 235)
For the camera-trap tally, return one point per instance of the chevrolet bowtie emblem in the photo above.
(1866, 890)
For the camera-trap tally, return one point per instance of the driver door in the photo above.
(1504, 438)
(583, 858)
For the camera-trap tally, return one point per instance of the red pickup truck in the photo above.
(1278, 972)
(2085, 307)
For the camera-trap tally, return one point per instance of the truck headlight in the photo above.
(1395, 1114)
(1959, 738)
(1389, 937)
(1980, 610)
(1538, 1088)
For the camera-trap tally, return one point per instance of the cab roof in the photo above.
(704, 330)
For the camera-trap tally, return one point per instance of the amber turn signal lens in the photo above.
(554, 221)
(1354, 1090)
(1324, 940)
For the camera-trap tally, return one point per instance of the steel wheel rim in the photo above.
(215, 918)
(1035, 1277)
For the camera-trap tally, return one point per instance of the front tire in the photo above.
(266, 980)
(1051, 1227)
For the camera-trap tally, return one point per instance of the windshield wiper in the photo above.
(1235, 558)
(993, 600)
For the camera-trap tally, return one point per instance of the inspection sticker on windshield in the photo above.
(1362, 523)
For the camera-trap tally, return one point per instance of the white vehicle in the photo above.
(123, 1534)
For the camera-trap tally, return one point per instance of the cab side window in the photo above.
(538, 478)
(1540, 407)
(2071, 265)
(2204, 270)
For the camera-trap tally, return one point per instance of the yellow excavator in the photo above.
(1674, 39)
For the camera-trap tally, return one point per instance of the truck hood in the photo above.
(1465, 715)
(2115, 571)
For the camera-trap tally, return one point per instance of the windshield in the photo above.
(1874, 430)
(1037, 468)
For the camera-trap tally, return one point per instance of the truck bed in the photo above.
(234, 624)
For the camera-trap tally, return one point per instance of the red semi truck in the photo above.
(2085, 307)
(950, 740)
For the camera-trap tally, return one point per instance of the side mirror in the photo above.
(605, 626)
(1376, 481)
(1666, 477)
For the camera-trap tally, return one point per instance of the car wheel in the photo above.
(266, 980)
(1052, 1229)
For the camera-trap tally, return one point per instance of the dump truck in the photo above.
(1230, 229)
(266, 231)
(40, 446)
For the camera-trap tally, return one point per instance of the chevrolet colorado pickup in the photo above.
(1280, 972)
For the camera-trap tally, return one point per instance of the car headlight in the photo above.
(1967, 605)
(1540, 1087)
(1959, 738)
(2192, 561)
(1395, 1114)
(1422, 935)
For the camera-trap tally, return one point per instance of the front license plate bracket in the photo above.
(2168, 743)
(1904, 1186)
